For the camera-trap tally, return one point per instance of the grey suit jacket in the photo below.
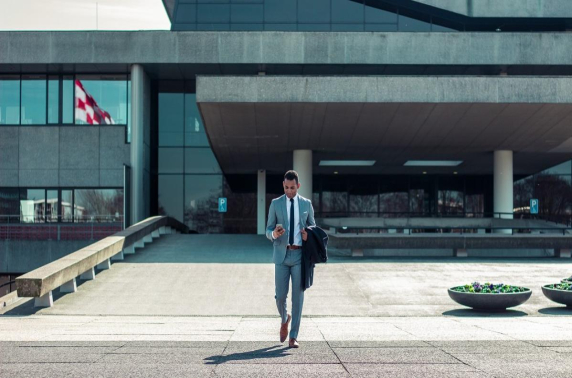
(278, 214)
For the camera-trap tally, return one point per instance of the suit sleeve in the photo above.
(271, 224)
(311, 220)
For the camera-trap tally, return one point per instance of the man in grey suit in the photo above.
(288, 216)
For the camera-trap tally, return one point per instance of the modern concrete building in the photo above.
(386, 108)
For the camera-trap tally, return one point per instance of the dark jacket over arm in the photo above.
(314, 251)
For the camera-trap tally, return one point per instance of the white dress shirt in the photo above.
(297, 233)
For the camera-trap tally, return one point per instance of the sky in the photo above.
(82, 15)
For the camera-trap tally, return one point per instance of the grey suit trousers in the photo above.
(291, 267)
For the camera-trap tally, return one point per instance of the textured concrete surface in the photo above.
(102, 47)
(179, 275)
(203, 306)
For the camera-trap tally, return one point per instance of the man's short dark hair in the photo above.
(291, 175)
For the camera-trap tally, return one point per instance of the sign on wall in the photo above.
(222, 205)
(533, 206)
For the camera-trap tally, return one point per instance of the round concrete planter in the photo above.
(559, 296)
(490, 302)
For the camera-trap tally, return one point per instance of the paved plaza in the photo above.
(203, 306)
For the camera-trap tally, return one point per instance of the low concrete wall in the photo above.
(21, 256)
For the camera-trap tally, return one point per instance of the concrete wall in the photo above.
(283, 48)
(62, 156)
(505, 8)
(21, 256)
(374, 89)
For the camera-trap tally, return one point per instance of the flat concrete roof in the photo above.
(255, 122)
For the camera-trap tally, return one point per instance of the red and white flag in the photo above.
(87, 110)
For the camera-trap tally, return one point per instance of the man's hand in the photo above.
(304, 234)
(278, 231)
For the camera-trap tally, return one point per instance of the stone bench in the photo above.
(459, 244)
(62, 273)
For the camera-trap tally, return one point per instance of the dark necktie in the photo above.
(291, 234)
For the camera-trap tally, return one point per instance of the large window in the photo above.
(299, 15)
(64, 99)
(39, 205)
(9, 100)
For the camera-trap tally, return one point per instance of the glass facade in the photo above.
(38, 205)
(53, 99)
(190, 181)
(296, 15)
(553, 190)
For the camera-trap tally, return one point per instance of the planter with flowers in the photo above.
(559, 292)
(489, 296)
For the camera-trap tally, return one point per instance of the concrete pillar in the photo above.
(162, 230)
(118, 257)
(139, 244)
(148, 238)
(129, 250)
(104, 265)
(303, 165)
(503, 186)
(89, 275)
(137, 144)
(69, 287)
(155, 234)
(261, 203)
(46, 300)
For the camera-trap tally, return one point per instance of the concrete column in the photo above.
(303, 165)
(155, 234)
(118, 257)
(104, 265)
(137, 142)
(503, 186)
(129, 250)
(46, 300)
(88, 275)
(261, 203)
(69, 287)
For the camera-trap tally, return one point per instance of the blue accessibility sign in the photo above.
(222, 205)
(533, 206)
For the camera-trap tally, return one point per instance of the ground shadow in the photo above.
(27, 307)
(470, 313)
(560, 310)
(269, 352)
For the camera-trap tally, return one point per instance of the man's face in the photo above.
(290, 188)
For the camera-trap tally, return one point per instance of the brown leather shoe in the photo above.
(293, 343)
(284, 330)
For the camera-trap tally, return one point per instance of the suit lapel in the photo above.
(300, 210)
(285, 213)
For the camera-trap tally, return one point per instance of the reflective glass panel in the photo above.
(108, 92)
(67, 99)
(314, 11)
(170, 160)
(378, 16)
(52, 206)
(171, 119)
(280, 11)
(200, 160)
(98, 205)
(213, 13)
(9, 205)
(407, 24)
(171, 196)
(347, 12)
(10, 101)
(32, 205)
(201, 203)
(66, 206)
(247, 13)
(195, 134)
(560, 169)
(53, 99)
(33, 110)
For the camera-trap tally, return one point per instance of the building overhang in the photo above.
(256, 122)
